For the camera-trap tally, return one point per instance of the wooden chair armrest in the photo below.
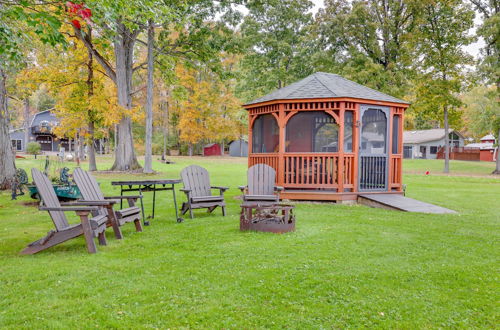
(185, 190)
(220, 188)
(69, 208)
(89, 203)
(242, 188)
(279, 188)
(123, 197)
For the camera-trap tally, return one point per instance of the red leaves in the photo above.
(76, 24)
(73, 7)
(85, 13)
(79, 10)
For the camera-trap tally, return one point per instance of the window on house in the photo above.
(407, 151)
(434, 150)
(17, 145)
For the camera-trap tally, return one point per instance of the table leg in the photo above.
(121, 199)
(175, 206)
(146, 223)
(154, 201)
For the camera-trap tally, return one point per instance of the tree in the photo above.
(367, 41)
(277, 46)
(489, 30)
(84, 100)
(440, 59)
(14, 20)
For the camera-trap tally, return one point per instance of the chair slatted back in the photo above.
(89, 188)
(261, 180)
(196, 179)
(49, 198)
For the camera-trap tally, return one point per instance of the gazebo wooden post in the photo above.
(340, 168)
(250, 139)
(282, 145)
(391, 169)
(400, 149)
(355, 144)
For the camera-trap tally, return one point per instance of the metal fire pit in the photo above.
(274, 218)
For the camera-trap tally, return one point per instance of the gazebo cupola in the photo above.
(328, 138)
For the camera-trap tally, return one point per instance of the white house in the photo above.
(426, 143)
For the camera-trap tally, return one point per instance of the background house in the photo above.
(487, 150)
(238, 148)
(41, 130)
(426, 143)
(212, 149)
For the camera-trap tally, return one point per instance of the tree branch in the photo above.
(99, 58)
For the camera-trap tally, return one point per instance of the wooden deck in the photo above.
(401, 203)
(325, 195)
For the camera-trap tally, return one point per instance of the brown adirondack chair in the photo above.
(90, 190)
(261, 187)
(90, 227)
(199, 191)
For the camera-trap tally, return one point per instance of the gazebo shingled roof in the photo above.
(326, 85)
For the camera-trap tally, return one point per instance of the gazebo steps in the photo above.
(401, 203)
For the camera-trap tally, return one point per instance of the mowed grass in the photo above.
(345, 266)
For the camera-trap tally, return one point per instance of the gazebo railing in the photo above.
(313, 170)
(316, 170)
(271, 159)
(349, 171)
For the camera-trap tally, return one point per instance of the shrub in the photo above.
(33, 148)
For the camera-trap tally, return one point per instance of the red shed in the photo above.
(212, 149)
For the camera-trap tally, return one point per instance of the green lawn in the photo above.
(345, 266)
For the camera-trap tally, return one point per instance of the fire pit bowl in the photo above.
(274, 218)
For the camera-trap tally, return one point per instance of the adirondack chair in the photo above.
(261, 188)
(198, 191)
(90, 190)
(89, 226)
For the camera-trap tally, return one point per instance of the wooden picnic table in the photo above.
(149, 185)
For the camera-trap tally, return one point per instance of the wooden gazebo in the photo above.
(328, 138)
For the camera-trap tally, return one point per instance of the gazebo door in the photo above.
(373, 148)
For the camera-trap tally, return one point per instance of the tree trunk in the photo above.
(165, 130)
(497, 169)
(92, 162)
(90, 93)
(190, 149)
(222, 146)
(148, 156)
(77, 149)
(26, 122)
(125, 158)
(446, 142)
(7, 159)
(81, 143)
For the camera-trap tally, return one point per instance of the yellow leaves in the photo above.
(209, 111)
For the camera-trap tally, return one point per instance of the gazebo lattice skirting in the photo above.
(328, 138)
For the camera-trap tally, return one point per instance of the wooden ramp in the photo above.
(401, 203)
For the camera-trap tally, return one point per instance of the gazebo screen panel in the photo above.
(348, 129)
(312, 131)
(374, 132)
(265, 134)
